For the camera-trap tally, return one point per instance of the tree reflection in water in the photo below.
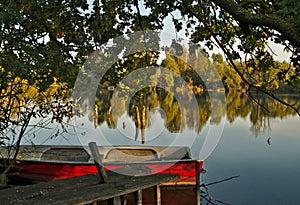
(173, 99)
(238, 105)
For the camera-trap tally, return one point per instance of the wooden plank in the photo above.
(115, 201)
(108, 190)
(54, 186)
(125, 198)
(46, 187)
(98, 161)
(89, 193)
(157, 196)
(139, 197)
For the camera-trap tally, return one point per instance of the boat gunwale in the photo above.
(36, 153)
(91, 163)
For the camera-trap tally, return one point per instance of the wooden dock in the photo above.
(84, 190)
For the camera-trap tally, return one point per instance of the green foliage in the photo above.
(217, 58)
(46, 40)
(290, 10)
(261, 72)
(41, 40)
(43, 44)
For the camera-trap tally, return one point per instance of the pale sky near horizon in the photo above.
(281, 55)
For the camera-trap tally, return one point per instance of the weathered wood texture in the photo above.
(157, 193)
(103, 178)
(139, 197)
(80, 190)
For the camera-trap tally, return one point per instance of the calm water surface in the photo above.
(269, 174)
(262, 148)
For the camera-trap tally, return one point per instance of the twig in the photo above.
(220, 181)
(258, 103)
(227, 53)
(208, 198)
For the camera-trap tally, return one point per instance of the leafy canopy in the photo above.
(46, 41)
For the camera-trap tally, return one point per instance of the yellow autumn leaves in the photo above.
(18, 92)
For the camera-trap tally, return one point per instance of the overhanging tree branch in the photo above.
(231, 61)
(247, 2)
(246, 18)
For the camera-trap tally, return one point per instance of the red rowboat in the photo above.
(47, 163)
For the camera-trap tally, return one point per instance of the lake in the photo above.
(268, 174)
(260, 143)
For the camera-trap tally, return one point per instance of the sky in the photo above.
(281, 55)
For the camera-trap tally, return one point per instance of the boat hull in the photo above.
(47, 163)
(48, 171)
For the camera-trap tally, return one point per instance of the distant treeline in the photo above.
(272, 75)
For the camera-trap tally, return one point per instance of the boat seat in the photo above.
(66, 154)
